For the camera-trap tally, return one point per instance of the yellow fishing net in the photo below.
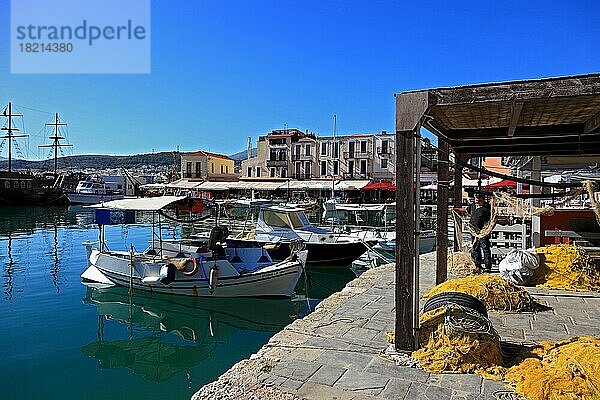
(457, 340)
(493, 291)
(566, 266)
(566, 370)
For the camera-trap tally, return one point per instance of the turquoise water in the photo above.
(60, 339)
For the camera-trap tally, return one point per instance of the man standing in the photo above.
(480, 213)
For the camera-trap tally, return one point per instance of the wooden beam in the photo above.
(532, 132)
(582, 85)
(441, 273)
(410, 108)
(404, 338)
(592, 124)
(458, 169)
(514, 117)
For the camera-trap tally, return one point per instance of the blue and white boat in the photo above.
(217, 267)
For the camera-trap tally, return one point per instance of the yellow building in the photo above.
(202, 165)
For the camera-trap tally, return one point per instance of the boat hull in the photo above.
(91, 198)
(337, 254)
(278, 280)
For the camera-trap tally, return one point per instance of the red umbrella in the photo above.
(505, 183)
(385, 185)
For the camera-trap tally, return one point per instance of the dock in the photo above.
(334, 352)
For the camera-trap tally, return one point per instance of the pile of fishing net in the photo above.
(566, 266)
(461, 264)
(458, 339)
(493, 291)
(565, 370)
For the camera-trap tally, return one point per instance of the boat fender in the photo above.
(194, 267)
(167, 274)
(212, 281)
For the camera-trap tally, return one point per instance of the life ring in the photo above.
(194, 267)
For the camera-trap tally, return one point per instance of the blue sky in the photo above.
(226, 70)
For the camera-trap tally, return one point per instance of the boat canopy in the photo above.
(143, 204)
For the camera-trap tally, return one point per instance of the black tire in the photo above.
(461, 299)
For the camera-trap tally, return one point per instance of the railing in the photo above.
(192, 175)
(384, 151)
(358, 154)
(301, 176)
(276, 163)
(299, 157)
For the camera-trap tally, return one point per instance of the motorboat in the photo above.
(93, 191)
(278, 227)
(216, 267)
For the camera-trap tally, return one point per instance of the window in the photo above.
(28, 185)
(298, 219)
(212, 168)
(272, 172)
(6, 184)
(221, 168)
(384, 147)
(198, 169)
(336, 167)
(276, 219)
(298, 150)
(363, 167)
(323, 148)
(22, 184)
(188, 169)
(283, 173)
(363, 146)
(258, 172)
(307, 150)
(351, 168)
(249, 171)
(282, 155)
(227, 169)
(307, 169)
(323, 168)
(273, 155)
(384, 163)
(351, 146)
(336, 150)
(298, 170)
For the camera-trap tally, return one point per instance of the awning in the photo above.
(308, 185)
(216, 186)
(351, 184)
(385, 185)
(433, 186)
(257, 185)
(142, 204)
(504, 183)
(183, 184)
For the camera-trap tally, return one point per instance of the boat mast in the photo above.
(332, 152)
(56, 140)
(9, 132)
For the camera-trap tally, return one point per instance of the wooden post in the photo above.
(405, 243)
(457, 192)
(441, 238)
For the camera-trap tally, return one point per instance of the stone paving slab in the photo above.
(333, 353)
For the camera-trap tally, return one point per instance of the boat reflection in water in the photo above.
(169, 334)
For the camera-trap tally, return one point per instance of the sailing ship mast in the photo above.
(9, 132)
(56, 140)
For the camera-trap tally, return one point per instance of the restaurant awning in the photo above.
(216, 186)
(504, 183)
(354, 184)
(385, 185)
(183, 184)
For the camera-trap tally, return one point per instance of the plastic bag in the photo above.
(518, 266)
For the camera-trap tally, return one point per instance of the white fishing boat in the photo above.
(94, 191)
(217, 267)
(279, 227)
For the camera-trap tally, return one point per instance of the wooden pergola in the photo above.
(540, 117)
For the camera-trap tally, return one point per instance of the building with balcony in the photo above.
(359, 156)
(283, 153)
(204, 166)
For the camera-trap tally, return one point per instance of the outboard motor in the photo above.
(167, 274)
(218, 234)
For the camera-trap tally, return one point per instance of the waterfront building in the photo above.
(202, 165)
(283, 153)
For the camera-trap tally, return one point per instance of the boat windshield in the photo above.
(298, 219)
(277, 219)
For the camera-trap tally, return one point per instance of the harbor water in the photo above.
(60, 339)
